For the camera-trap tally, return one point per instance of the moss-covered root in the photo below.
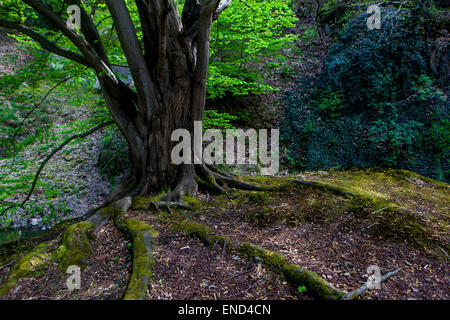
(75, 247)
(114, 211)
(337, 190)
(143, 237)
(31, 264)
(296, 275)
(201, 232)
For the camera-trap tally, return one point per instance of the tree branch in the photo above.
(46, 44)
(356, 293)
(85, 48)
(133, 52)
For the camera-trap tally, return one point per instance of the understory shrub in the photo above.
(374, 104)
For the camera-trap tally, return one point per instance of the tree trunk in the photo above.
(149, 140)
(170, 78)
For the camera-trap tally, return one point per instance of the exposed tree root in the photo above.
(201, 232)
(326, 187)
(208, 178)
(294, 274)
(32, 263)
(75, 248)
(143, 237)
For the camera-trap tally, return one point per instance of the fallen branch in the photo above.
(7, 265)
(356, 293)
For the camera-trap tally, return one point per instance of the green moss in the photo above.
(201, 231)
(110, 212)
(278, 183)
(209, 182)
(75, 248)
(143, 261)
(31, 264)
(322, 289)
(135, 226)
(270, 258)
(189, 227)
(399, 204)
(144, 203)
(193, 203)
(141, 203)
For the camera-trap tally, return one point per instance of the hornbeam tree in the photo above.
(169, 67)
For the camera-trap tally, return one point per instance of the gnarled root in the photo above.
(355, 294)
(210, 179)
(294, 274)
(143, 237)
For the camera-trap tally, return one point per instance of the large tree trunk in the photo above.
(170, 79)
(149, 140)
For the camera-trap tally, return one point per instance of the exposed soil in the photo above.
(338, 250)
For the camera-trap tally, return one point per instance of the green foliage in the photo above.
(373, 104)
(248, 35)
(217, 120)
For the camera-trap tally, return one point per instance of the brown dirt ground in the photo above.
(185, 269)
(340, 253)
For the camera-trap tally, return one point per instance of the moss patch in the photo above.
(75, 248)
(200, 231)
(193, 203)
(400, 204)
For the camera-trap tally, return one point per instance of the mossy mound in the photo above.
(400, 204)
(75, 248)
(397, 205)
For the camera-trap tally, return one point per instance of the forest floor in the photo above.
(328, 227)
